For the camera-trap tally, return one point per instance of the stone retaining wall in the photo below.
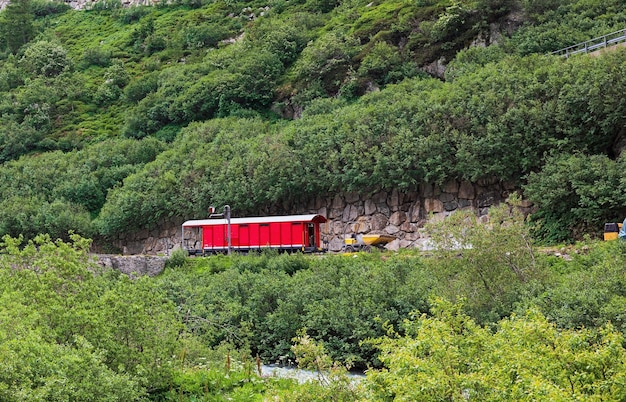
(403, 214)
(397, 213)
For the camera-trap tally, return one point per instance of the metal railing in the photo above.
(594, 44)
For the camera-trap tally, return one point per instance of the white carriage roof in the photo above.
(257, 219)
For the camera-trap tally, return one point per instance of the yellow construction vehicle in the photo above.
(614, 231)
(364, 242)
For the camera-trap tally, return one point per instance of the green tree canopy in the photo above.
(449, 357)
(16, 23)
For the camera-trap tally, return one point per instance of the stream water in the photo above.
(300, 375)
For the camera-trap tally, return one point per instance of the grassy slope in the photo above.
(325, 59)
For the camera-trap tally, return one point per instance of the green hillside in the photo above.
(114, 118)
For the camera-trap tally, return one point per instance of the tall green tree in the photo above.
(17, 24)
(486, 263)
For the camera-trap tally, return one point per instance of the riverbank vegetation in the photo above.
(495, 321)
(140, 113)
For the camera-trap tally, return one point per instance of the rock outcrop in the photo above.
(136, 265)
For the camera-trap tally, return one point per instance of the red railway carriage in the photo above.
(282, 233)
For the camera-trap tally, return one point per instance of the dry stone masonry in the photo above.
(397, 213)
(403, 214)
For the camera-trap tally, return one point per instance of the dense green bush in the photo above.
(261, 302)
(492, 267)
(576, 194)
(589, 289)
(327, 61)
(16, 25)
(43, 8)
(58, 192)
(209, 35)
(101, 335)
(45, 58)
(253, 301)
(448, 356)
(96, 57)
(559, 24)
(131, 14)
(75, 331)
(419, 131)
(11, 75)
(284, 38)
(138, 89)
(18, 139)
(181, 177)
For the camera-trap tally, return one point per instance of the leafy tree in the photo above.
(494, 262)
(45, 58)
(284, 38)
(16, 23)
(449, 357)
(115, 79)
(11, 76)
(86, 192)
(138, 89)
(327, 60)
(17, 140)
(90, 334)
(449, 23)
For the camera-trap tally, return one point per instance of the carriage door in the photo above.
(311, 234)
(264, 235)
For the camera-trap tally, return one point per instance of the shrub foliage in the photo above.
(371, 118)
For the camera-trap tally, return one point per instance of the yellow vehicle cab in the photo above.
(611, 230)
